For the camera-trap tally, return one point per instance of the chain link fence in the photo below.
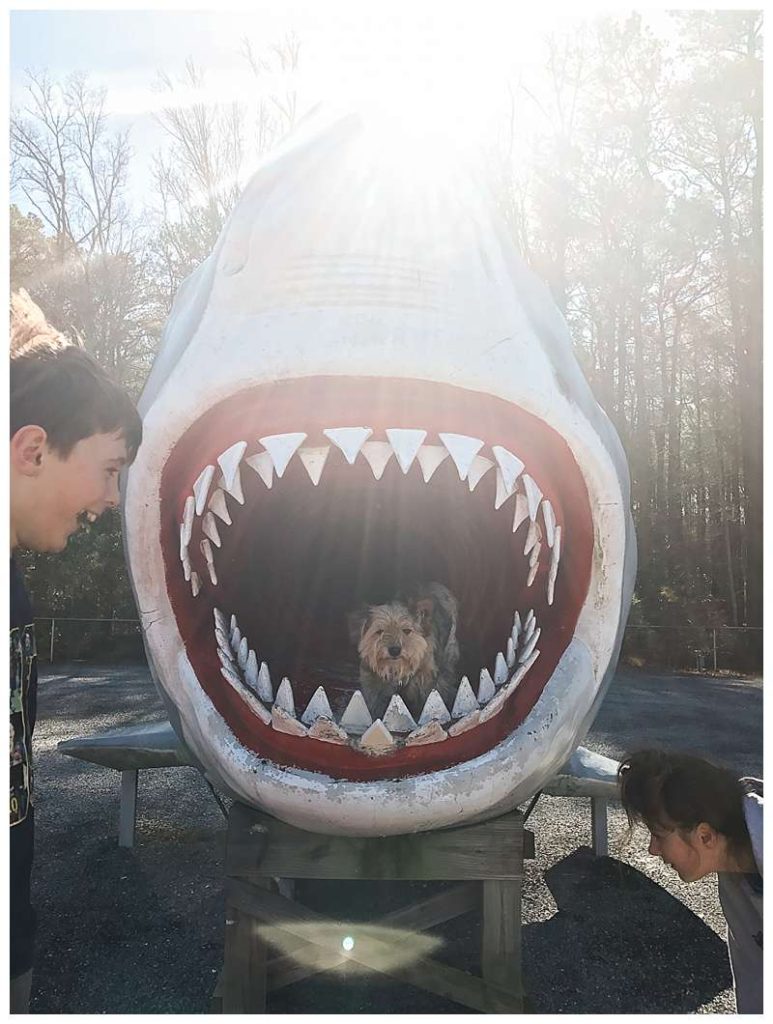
(695, 648)
(679, 648)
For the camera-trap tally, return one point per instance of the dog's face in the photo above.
(392, 643)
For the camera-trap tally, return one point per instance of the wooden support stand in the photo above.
(271, 941)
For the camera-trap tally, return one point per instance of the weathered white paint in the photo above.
(277, 300)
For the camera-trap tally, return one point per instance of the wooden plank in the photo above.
(501, 945)
(493, 849)
(304, 959)
(127, 813)
(243, 988)
(371, 951)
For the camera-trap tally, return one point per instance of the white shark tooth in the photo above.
(510, 466)
(206, 550)
(462, 450)
(533, 495)
(349, 440)
(534, 554)
(281, 448)
(377, 739)
(494, 706)
(486, 688)
(284, 697)
(201, 488)
(187, 524)
(500, 670)
(377, 454)
(223, 641)
(465, 724)
(251, 670)
(314, 460)
(517, 627)
(510, 652)
(531, 537)
(430, 456)
(219, 507)
(522, 670)
(430, 732)
(185, 558)
(480, 466)
(525, 654)
(528, 625)
(549, 519)
(233, 624)
(243, 653)
(209, 528)
(356, 718)
(195, 583)
(226, 658)
(318, 707)
(283, 721)
(397, 717)
(212, 573)
(221, 620)
(502, 494)
(229, 464)
(235, 487)
(249, 699)
(533, 568)
(554, 559)
(465, 701)
(327, 731)
(406, 444)
(434, 710)
(263, 465)
(264, 687)
(521, 510)
(236, 634)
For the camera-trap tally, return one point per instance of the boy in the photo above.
(704, 820)
(72, 431)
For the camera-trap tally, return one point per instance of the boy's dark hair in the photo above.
(665, 790)
(57, 385)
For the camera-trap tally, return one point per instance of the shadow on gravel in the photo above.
(664, 959)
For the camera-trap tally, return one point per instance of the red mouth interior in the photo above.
(298, 557)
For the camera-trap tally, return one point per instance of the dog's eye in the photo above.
(407, 632)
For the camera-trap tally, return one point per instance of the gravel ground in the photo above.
(141, 931)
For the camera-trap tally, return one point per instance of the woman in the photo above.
(703, 819)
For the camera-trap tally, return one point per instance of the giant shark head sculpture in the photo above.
(360, 389)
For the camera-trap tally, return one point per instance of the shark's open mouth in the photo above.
(286, 506)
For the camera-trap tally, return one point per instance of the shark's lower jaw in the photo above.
(287, 505)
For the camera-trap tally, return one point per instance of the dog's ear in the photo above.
(423, 611)
(358, 621)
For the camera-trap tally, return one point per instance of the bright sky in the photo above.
(451, 59)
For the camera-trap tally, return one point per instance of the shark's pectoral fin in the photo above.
(139, 746)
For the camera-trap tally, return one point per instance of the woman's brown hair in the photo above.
(665, 790)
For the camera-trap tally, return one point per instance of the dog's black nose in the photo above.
(394, 651)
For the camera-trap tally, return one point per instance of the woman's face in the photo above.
(687, 852)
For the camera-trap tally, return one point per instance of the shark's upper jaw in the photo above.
(339, 489)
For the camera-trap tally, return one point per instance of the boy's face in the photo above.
(83, 484)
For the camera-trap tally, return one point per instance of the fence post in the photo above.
(714, 639)
(51, 650)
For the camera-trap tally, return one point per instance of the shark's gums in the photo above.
(363, 389)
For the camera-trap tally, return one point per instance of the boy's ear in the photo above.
(28, 446)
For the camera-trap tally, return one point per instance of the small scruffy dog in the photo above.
(408, 647)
